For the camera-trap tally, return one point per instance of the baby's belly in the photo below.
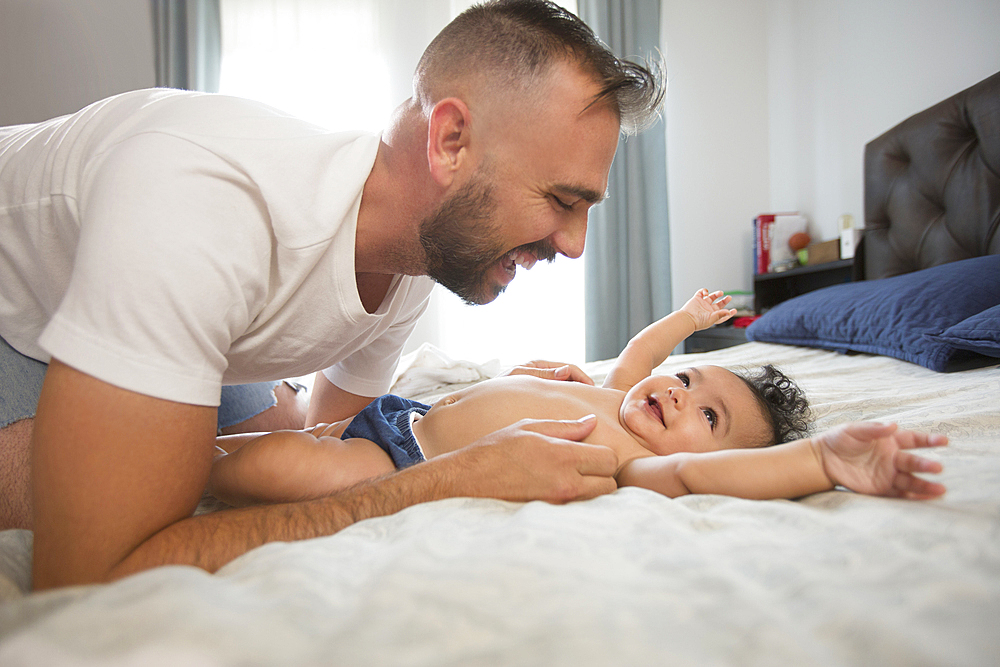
(473, 413)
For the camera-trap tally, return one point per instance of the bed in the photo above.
(633, 577)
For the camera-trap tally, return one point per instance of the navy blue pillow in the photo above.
(916, 317)
(979, 333)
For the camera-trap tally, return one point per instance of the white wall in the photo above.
(717, 150)
(57, 56)
(772, 101)
(855, 69)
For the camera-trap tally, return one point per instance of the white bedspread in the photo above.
(631, 578)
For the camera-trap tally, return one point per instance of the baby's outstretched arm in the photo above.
(290, 466)
(874, 458)
(651, 346)
(864, 457)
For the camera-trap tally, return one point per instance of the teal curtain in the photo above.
(628, 244)
(188, 41)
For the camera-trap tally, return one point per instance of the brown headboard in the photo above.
(932, 186)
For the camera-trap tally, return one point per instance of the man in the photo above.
(159, 244)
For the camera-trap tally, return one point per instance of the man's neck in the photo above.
(396, 197)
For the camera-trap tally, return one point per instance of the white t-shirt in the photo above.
(170, 242)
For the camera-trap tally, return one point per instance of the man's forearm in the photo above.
(209, 541)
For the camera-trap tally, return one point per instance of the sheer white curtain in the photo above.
(346, 64)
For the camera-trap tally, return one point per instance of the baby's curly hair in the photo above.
(782, 401)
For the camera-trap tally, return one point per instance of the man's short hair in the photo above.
(513, 42)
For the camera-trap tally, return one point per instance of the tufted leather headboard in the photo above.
(932, 186)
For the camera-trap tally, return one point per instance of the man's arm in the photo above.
(117, 475)
(329, 403)
(864, 457)
(650, 347)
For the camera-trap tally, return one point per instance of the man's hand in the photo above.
(530, 460)
(551, 370)
(707, 309)
(872, 458)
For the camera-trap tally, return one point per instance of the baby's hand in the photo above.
(868, 457)
(707, 309)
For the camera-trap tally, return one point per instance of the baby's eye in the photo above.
(713, 419)
(685, 380)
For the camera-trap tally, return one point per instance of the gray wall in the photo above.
(771, 102)
(57, 56)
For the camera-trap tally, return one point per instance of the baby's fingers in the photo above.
(723, 315)
(915, 488)
(907, 462)
(919, 439)
(718, 298)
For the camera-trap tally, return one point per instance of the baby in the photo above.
(702, 430)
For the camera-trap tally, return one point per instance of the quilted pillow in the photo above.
(979, 333)
(944, 318)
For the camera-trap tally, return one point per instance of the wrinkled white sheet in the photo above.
(630, 578)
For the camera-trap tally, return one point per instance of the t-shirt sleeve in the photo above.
(368, 372)
(167, 272)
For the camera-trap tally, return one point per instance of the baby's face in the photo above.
(700, 409)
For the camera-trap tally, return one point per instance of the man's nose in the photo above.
(571, 238)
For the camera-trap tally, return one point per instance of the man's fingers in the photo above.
(596, 460)
(564, 429)
(589, 459)
(597, 486)
(573, 374)
(550, 370)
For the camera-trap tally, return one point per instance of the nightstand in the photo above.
(716, 338)
(770, 289)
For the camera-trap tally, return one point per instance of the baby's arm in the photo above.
(864, 457)
(651, 346)
(290, 466)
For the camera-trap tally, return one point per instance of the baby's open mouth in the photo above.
(655, 408)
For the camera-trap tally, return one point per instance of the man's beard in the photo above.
(461, 242)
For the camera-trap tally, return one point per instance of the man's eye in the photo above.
(562, 204)
(685, 380)
(713, 419)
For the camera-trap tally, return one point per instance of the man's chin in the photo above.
(482, 296)
(483, 289)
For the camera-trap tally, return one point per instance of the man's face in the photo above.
(528, 198)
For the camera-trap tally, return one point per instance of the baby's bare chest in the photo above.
(473, 413)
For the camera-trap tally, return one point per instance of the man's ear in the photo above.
(447, 139)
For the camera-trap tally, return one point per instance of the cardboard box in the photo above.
(823, 252)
